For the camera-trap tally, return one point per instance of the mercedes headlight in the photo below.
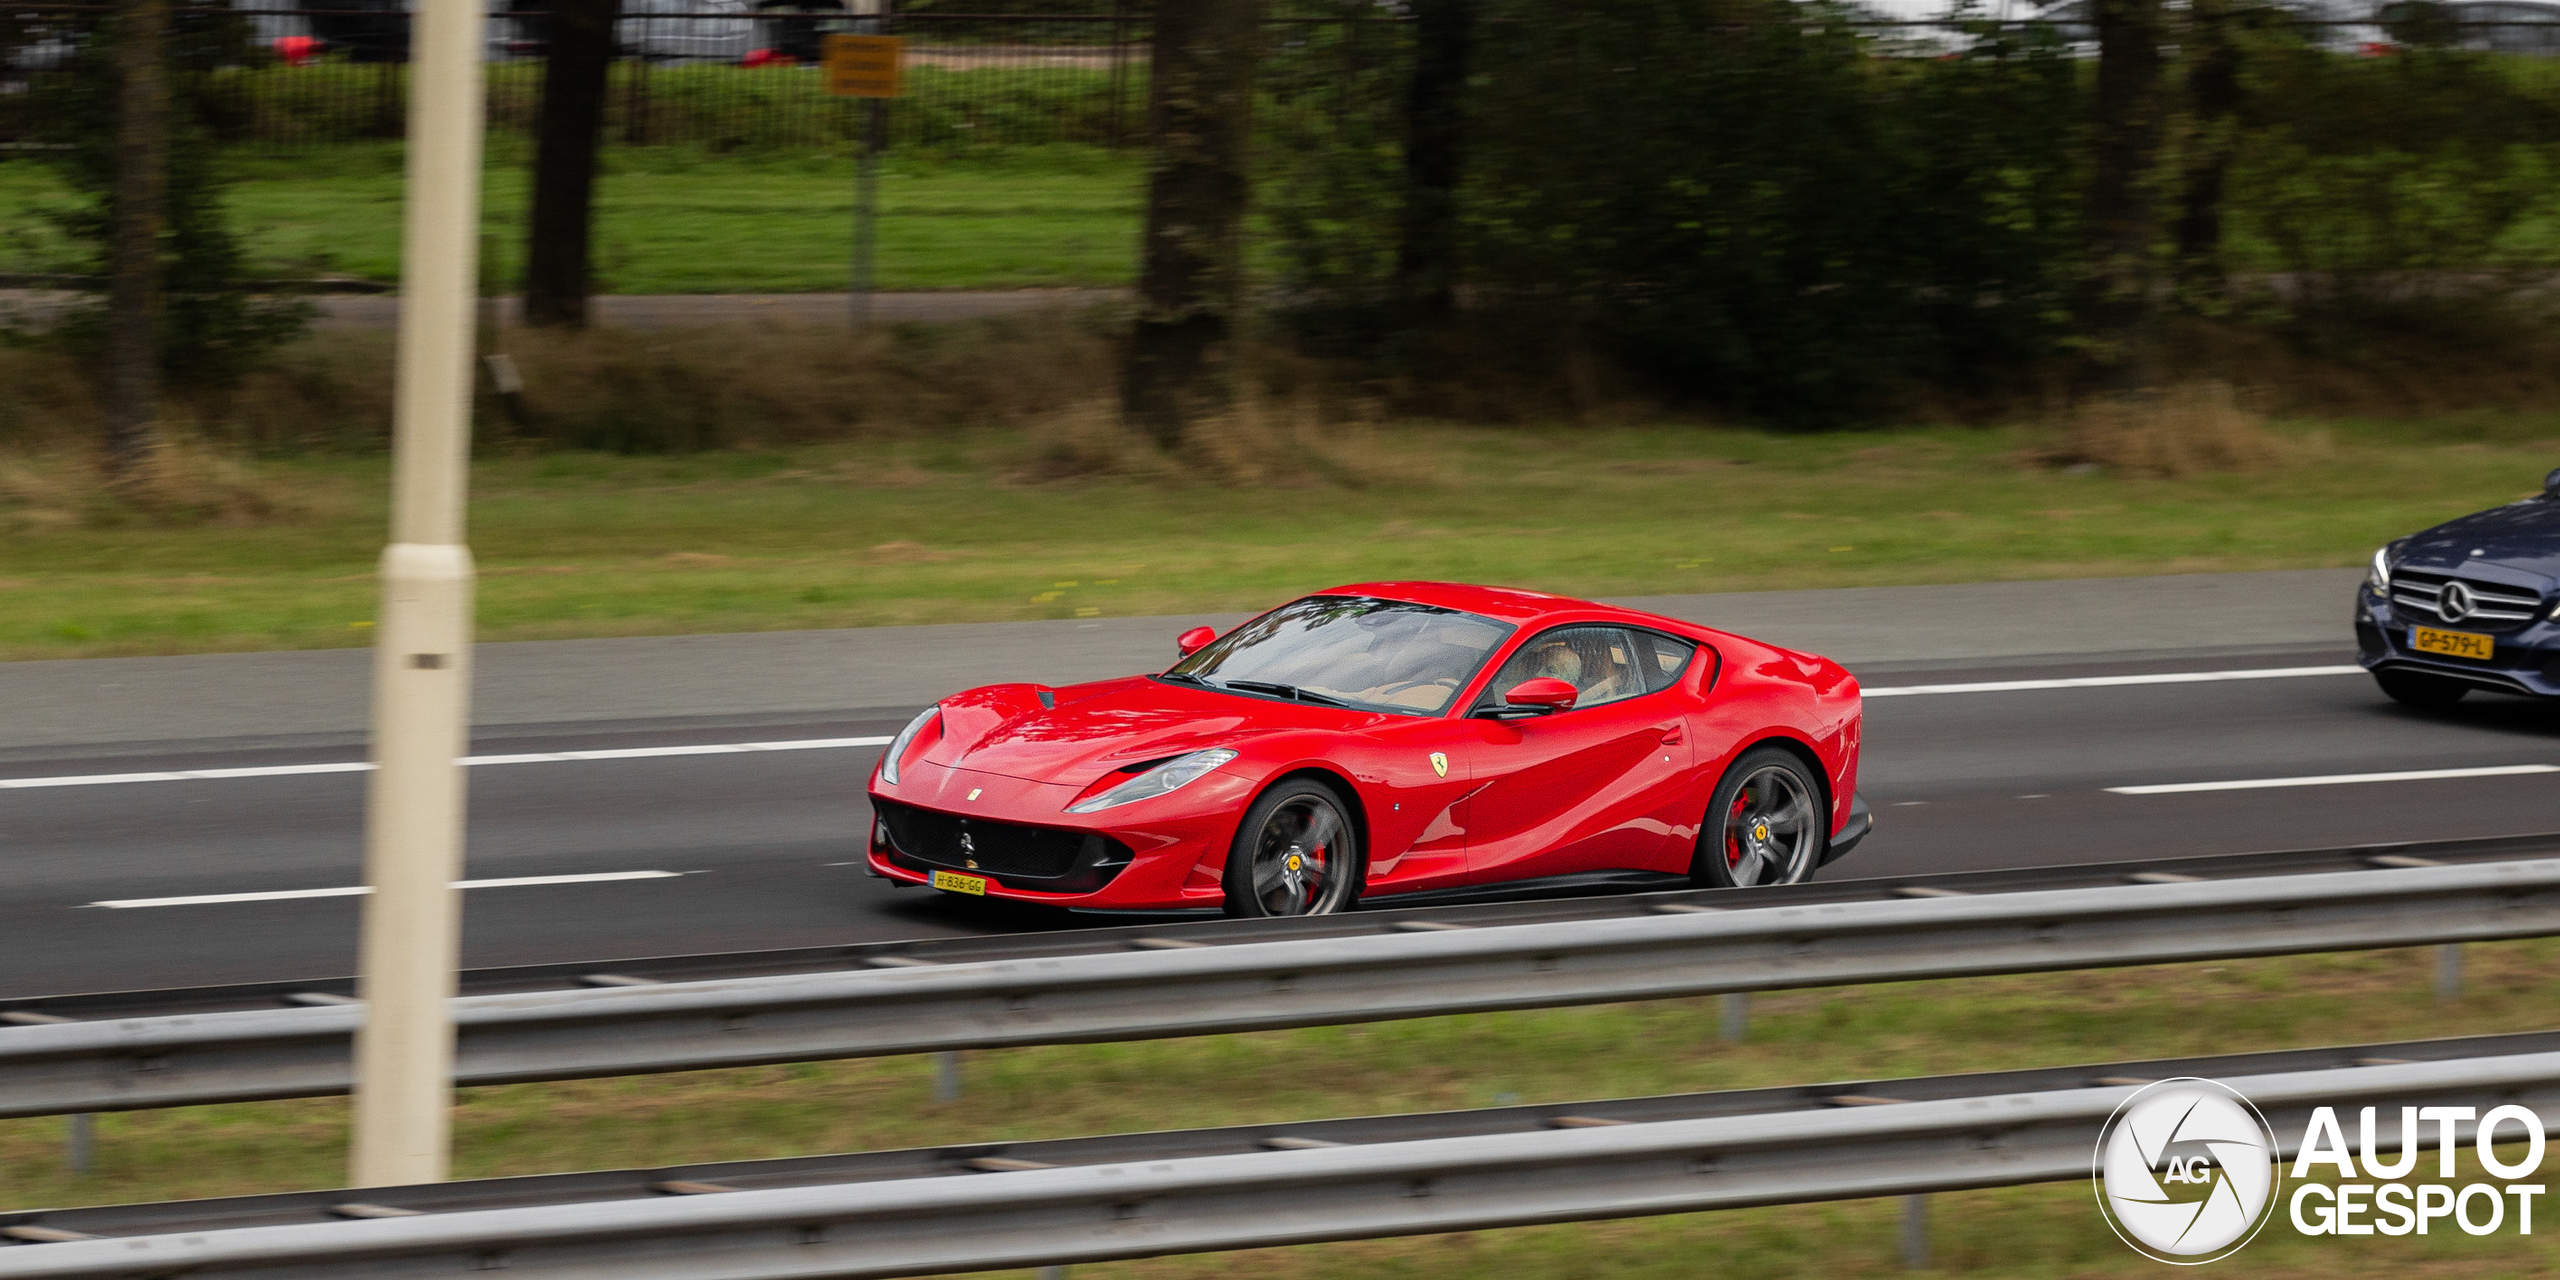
(906, 738)
(1169, 776)
(2378, 576)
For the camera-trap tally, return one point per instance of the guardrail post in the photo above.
(1053, 1273)
(1915, 1232)
(2449, 972)
(1737, 1017)
(80, 1142)
(946, 1076)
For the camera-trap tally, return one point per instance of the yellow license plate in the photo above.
(2452, 644)
(958, 883)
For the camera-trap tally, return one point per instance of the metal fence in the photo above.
(1201, 989)
(970, 1209)
(741, 74)
(722, 74)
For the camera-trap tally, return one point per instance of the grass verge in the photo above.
(679, 220)
(964, 527)
(1474, 1061)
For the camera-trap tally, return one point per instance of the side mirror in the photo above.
(1194, 640)
(1543, 696)
(2551, 484)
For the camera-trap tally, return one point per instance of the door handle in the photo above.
(1670, 735)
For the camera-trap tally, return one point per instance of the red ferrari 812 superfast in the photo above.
(1385, 739)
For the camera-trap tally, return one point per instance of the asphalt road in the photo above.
(755, 849)
(316, 699)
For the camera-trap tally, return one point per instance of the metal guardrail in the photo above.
(972, 1159)
(1197, 990)
(1605, 898)
(1016, 1212)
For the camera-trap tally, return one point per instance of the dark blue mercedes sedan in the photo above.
(2467, 605)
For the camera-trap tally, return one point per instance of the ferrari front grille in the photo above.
(1019, 857)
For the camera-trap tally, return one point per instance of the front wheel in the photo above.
(1295, 854)
(2417, 689)
(1765, 825)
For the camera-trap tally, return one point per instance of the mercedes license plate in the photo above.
(2451, 644)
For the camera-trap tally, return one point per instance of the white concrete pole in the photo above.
(422, 653)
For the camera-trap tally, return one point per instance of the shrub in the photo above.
(212, 331)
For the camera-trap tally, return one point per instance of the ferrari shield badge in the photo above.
(1440, 763)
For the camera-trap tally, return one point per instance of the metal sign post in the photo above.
(422, 653)
(870, 67)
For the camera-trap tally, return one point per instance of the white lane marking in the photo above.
(360, 766)
(2336, 779)
(708, 749)
(2103, 682)
(358, 890)
(180, 775)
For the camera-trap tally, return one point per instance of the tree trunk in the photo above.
(1435, 126)
(578, 62)
(138, 209)
(1199, 121)
(2121, 220)
(2213, 103)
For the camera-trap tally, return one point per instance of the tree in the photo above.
(579, 60)
(136, 216)
(2213, 109)
(1199, 118)
(1435, 127)
(2125, 149)
(129, 124)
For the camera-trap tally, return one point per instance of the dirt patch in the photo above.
(2196, 429)
(903, 552)
(1667, 467)
(181, 481)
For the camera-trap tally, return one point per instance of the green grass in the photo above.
(675, 220)
(958, 529)
(1475, 1061)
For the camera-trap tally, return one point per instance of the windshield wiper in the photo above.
(1285, 691)
(1187, 678)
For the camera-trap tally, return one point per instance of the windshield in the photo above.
(1382, 655)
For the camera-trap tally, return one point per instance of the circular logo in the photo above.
(2186, 1171)
(1760, 830)
(2455, 603)
(1293, 862)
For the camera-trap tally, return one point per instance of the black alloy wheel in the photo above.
(2418, 689)
(1765, 825)
(1295, 854)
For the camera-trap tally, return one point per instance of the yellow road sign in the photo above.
(866, 66)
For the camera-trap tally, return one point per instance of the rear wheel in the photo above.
(1295, 854)
(1765, 825)
(2417, 689)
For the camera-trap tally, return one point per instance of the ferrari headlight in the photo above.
(906, 738)
(2378, 576)
(1169, 776)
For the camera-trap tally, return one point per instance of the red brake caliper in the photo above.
(1732, 832)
